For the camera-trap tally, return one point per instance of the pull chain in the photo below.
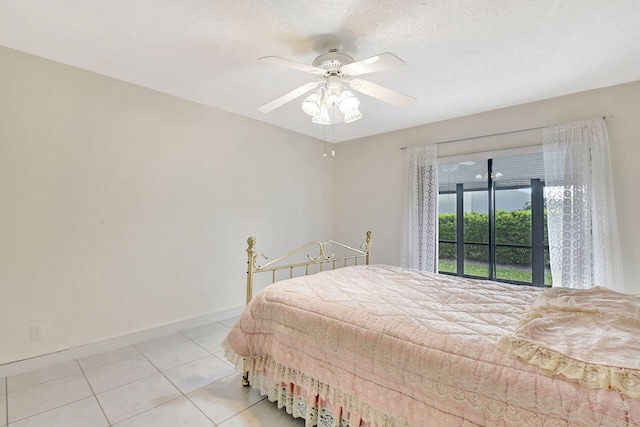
(333, 130)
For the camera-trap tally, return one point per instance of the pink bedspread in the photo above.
(400, 347)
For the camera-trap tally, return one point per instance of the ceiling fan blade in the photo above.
(276, 60)
(382, 93)
(371, 65)
(278, 102)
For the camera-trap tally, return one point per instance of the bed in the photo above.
(378, 345)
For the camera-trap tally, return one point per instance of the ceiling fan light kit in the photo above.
(334, 70)
(318, 103)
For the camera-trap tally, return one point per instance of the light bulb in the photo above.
(333, 153)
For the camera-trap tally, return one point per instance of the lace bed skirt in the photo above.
(303, 397)
(319, 414)
(315, 410)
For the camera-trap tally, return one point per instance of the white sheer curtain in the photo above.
(420, 237)
(583, 231)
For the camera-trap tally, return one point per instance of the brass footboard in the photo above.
(321, 260)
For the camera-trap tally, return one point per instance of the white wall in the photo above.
(369, 172)
(123, 208)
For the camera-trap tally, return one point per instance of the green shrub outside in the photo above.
(512, 227)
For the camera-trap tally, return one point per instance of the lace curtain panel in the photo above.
(420, 236)
(584, 245)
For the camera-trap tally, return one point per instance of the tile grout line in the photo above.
(207, 385)
(263, 398)
(82, 370)
(123, 384)
(137, 379)
(180, 391)
(217, 357)
(42, 412)
(95, 396)
(148, 410)
(226, 361)
(161, 348)
(214, 355)
(174, 345)
(198, 344)
(201, 347)
(224, 329)
(171, 346)
(110, 363)
(177, 366)
(48, 410)
(237, 372)
(40, 383)
(200, 388)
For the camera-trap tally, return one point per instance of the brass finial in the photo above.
(251, 241)
(368, 236)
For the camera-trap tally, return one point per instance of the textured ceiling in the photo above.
(463, 57)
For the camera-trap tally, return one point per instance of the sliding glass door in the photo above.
(492, 219)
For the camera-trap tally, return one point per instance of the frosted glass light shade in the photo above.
(348, 102)
(322, 118)
(311, 105)
(352, 116)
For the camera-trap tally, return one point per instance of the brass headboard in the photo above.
(321, 259)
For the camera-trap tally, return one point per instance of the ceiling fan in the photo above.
(336, 73)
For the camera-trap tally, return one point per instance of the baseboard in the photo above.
(37, 362)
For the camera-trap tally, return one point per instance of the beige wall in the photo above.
(369, 173)
(124, 209)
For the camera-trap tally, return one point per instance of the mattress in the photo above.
(386, 346)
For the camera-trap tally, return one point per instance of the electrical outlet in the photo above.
(36, 331)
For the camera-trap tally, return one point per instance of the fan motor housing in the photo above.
(331, 62)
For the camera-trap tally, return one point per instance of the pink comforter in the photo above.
(401, 347)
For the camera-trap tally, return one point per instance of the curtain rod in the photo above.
(491, 134)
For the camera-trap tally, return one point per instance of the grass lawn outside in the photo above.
(504, 272)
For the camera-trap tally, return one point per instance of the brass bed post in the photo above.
(368, 246)
(251, 255)
(251, 252)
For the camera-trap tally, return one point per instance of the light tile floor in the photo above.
(179, 379)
